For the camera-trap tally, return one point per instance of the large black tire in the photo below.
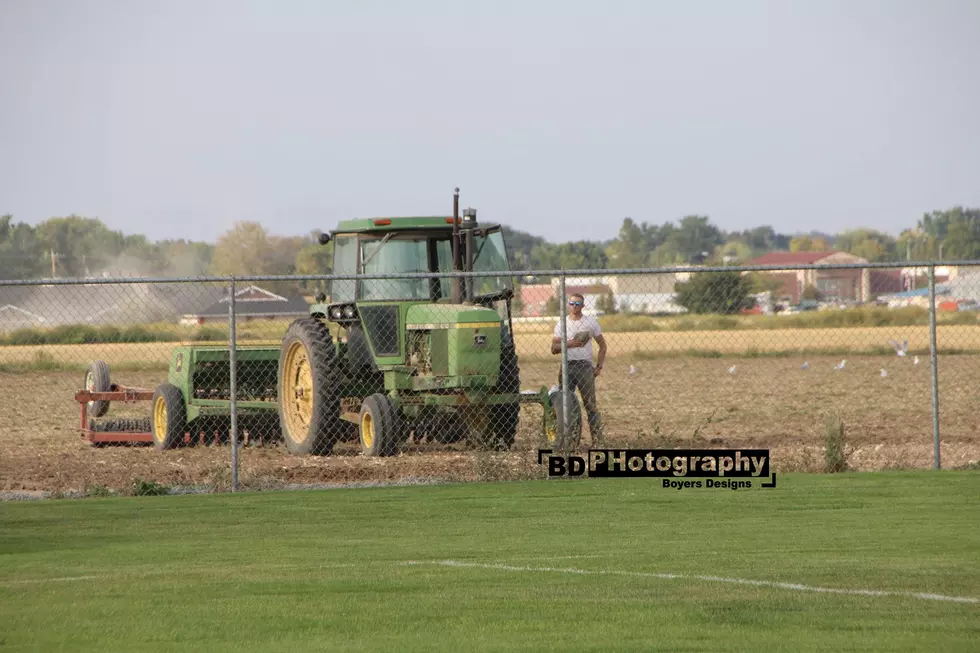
(381, 427)
(309, 389)
(97, 380)
(169, 420)
(504, 418)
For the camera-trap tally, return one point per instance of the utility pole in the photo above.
(54, 266)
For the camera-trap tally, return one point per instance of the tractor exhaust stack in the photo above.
(457, 258)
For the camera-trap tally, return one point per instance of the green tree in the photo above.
(243, 250)
(695, 234)
(520, 246)
(21, 254)
(629, 249)
(80, 246)
(869, 244)
(314, 259)
(186, 258)
(809, 243)
(716, 292)
(735, 249)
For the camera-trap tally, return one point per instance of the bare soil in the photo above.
(683, 402)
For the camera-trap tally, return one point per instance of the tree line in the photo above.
(77, 246)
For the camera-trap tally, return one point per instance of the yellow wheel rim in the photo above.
(297, 399)
(160, 419)
(367, 430)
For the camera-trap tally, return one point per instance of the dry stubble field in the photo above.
(767, 402)
(532, 341)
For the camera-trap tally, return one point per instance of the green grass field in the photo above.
(545, 565)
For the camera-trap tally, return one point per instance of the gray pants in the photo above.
(582, 376)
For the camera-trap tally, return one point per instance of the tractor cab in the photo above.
(391, 247)
(383, 315)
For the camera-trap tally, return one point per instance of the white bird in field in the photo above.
(840, 365)
(916, 361)
(900, 349)
(884, 373)
(805, 366)
(731, 370)
(633, 370)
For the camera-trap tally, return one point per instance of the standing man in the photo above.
(581, 331)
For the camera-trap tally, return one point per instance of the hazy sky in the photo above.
(176, 118)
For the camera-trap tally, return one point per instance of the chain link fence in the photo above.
(215, 384)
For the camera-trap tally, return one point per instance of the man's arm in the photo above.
(602, 348)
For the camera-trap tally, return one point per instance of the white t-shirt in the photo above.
(587, 323)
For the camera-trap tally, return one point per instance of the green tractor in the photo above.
(429, 357)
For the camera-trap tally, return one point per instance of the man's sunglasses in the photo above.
(574, 303)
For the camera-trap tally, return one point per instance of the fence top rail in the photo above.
(575, 272)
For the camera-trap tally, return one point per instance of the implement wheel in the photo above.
(169, 417)
(381, 426)
(309, 389)
(97, 380)
(556, 436)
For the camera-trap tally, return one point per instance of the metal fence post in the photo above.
(564, 361)
(232, 350)
(933, 356)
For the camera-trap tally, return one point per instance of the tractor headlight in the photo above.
(349, 311)
(335, 312)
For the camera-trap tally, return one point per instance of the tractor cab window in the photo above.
(344, 262)
(393, 256)
(490, 256)
(444, 256)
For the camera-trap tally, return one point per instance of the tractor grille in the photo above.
(381, 324)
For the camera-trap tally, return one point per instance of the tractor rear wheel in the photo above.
(309, 389)
(169, 417)
(504, 418)
(381, 427)
(97, 380)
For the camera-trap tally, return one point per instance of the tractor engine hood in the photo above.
(451, 316)
(454, 340)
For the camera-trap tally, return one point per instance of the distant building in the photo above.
(535, 299)
(635, 293)
(835, 284)
(251, 303)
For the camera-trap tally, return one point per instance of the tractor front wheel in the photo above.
(381, 426)
(309, 389)
(169, 417)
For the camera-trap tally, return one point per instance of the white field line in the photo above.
(136, 575)
(30, 581)
(713, 579)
